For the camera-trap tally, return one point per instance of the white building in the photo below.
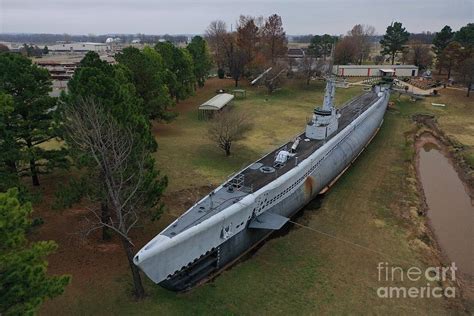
(374, 70)
(78, 47)
(215, 104)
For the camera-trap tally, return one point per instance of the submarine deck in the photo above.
(252, 178)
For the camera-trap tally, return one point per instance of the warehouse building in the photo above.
(375, 70)
(78, 47)
(59, 70)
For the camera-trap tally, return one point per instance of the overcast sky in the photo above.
(192, 17)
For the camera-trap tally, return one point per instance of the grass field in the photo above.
(456, 119)
(190, 159)
(302, 272)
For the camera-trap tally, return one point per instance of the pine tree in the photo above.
(321, 45)
(452, 55)
(393, 40)
(148, 73)
(92, 59)
(9, 153)
(110, 86)
(440, 41)
(202, 62)
(24, 281)
(31, 122)
(465, 36)
(179, 70)
(185, 73)
(466, 71)
(166, 51)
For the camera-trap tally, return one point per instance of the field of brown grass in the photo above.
(301, 272)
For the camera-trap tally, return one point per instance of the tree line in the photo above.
(425, 37)
(448, 50)
(53, 38)
(355, 46)
(454, 50)
(255, 45)
(100, 130)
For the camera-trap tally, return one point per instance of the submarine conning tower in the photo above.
(325, 119)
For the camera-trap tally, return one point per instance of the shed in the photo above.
(216, 104)
(295, 53)
(387, 72)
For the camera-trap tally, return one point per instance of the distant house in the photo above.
(295, 53)
(375, 70)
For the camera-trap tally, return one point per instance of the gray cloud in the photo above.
(185, 16)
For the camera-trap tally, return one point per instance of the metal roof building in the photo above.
(375, 70)
(78, 47)
(216, 103)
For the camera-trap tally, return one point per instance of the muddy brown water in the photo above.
(450, 209)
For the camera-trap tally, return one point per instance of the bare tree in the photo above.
(307, 67)
(215, 35)
(361, 35)
(122, 162)
(235, 57)
(276, 77)
(345, 51)
(451, 56)
(378, 59)
(405, 55)
(274, 38)
(310, 66)
(247, 36)
(227, 127)
(420, 54)
(250, 49)
(466, 71)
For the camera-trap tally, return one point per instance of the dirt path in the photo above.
(416, 90)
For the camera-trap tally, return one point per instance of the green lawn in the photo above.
(190, 159)
(302, 272)
(456, 119)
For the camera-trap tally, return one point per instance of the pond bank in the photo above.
(446, 189)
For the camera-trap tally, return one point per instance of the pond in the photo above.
(450, 209)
